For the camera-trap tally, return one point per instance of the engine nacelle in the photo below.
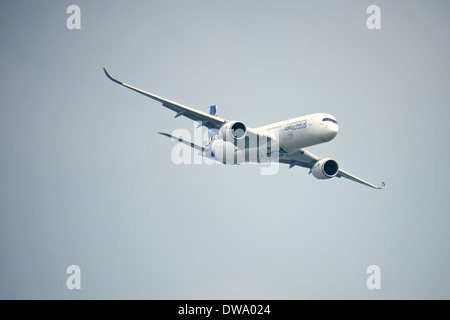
(226, 152)
(233, 130)
(325, 169)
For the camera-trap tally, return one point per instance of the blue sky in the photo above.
(86, 179)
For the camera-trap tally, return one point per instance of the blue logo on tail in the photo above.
(213, 110)
(212, 133)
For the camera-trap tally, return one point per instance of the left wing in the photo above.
(207, 120)
(306, 159)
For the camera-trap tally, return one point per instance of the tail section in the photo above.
(212, 133)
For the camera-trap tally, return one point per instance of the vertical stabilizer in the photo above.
(212, 133)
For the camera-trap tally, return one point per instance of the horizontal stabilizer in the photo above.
(191, 144)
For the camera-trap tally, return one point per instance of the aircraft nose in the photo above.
(333, 129)
(331, 132)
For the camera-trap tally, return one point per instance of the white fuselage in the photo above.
(302, 132)
(285, 137)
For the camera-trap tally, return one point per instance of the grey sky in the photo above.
(85, 179)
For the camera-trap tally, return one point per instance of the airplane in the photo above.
(232, 142)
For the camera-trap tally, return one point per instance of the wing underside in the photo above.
(306, 159)
(349, 176)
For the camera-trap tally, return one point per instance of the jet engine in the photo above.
(226, 152)
(233, 130)
(325, 169)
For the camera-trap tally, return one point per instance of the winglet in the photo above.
(111, 78)
(383, 185)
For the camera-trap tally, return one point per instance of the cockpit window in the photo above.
(329, 119)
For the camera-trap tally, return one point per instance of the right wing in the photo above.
(349, 176)
(207, 120)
